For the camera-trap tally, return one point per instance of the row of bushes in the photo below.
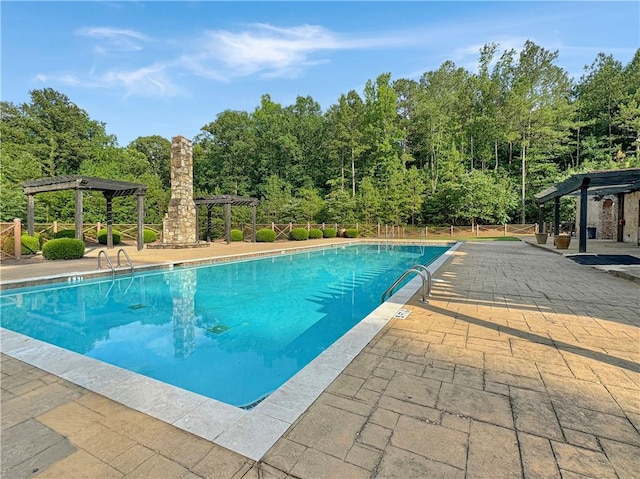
(149, 236)
(64, 245)
(267, 235)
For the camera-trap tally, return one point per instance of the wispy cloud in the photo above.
(150, 81)
(258, 49)
(272, 51)
(114, 39)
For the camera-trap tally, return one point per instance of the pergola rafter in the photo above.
(109, 188)
(227, 201)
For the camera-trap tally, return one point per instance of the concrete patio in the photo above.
(523, 364)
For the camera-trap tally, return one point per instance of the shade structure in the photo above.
(227, 201)
(604, 182)
(109, 188)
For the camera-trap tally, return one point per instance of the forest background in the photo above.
(454, 147)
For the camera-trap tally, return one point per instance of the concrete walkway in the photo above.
(524, 364)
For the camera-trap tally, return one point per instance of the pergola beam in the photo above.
(79, 183)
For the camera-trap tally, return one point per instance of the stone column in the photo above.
(179, 225)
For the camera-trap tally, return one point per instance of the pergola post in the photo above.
(30, 214)
(78, 214)
(140, 221)
(582, 246)
(556, 216)
(209, 222)
(109, 199)
(227, 217)
(253, 223)
(540, 223)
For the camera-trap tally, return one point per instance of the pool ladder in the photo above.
(424, 273)
(110, 263)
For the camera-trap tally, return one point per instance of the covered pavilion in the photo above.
(608, 182)
(79, 183)
(227, 201)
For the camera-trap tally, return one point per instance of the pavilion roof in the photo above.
(80, 182)
(598, 182)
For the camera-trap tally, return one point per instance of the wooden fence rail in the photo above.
(129, 232)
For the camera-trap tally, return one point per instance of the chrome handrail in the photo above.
(402, 276)
(429, 279)
(106, 256)
(121, 250)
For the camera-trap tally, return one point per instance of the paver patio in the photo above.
(523, 364)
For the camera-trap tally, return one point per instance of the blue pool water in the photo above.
(232, 331)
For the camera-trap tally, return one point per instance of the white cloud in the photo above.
(257, 49)
(272, 51)
(150, 81)
(114, 39)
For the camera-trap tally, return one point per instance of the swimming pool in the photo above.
(234, 332)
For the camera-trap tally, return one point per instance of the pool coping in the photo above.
(248, 432)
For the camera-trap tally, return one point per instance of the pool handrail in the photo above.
(413, 269)
(121, 250)
(429, 279)
(106, 257)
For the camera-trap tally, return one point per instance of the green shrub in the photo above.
(102, 236)
(63, 248)
(299, 234)
(149, 236)
(329, 232)
(30, 244)
(236, 235)
(65, 234)
(351, 233)
(315, 233)
(265, 235)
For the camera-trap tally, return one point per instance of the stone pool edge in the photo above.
(248, 432)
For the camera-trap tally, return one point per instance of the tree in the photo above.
(347, 127)
(61, 135)
(538, 101)
(157, 151)
(227, 155)
(482, 197)
(277, 203)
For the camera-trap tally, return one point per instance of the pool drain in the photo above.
(218, 329)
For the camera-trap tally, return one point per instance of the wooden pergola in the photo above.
(227, 201)
(109, 188)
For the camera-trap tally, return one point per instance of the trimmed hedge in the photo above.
(329, 233)
(299, 234)
(102, 236)
(236, 235)
(315, 233)
(149, 236)
(65, 234)
(30, 244)
(265, 235)
(63, 248)
(351, 233)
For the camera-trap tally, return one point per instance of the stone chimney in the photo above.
(179, 224)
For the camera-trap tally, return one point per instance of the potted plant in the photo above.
(541, 238)
(562, 241)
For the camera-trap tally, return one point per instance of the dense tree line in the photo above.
(453, 147)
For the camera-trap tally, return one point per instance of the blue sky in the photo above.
(169, 68)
